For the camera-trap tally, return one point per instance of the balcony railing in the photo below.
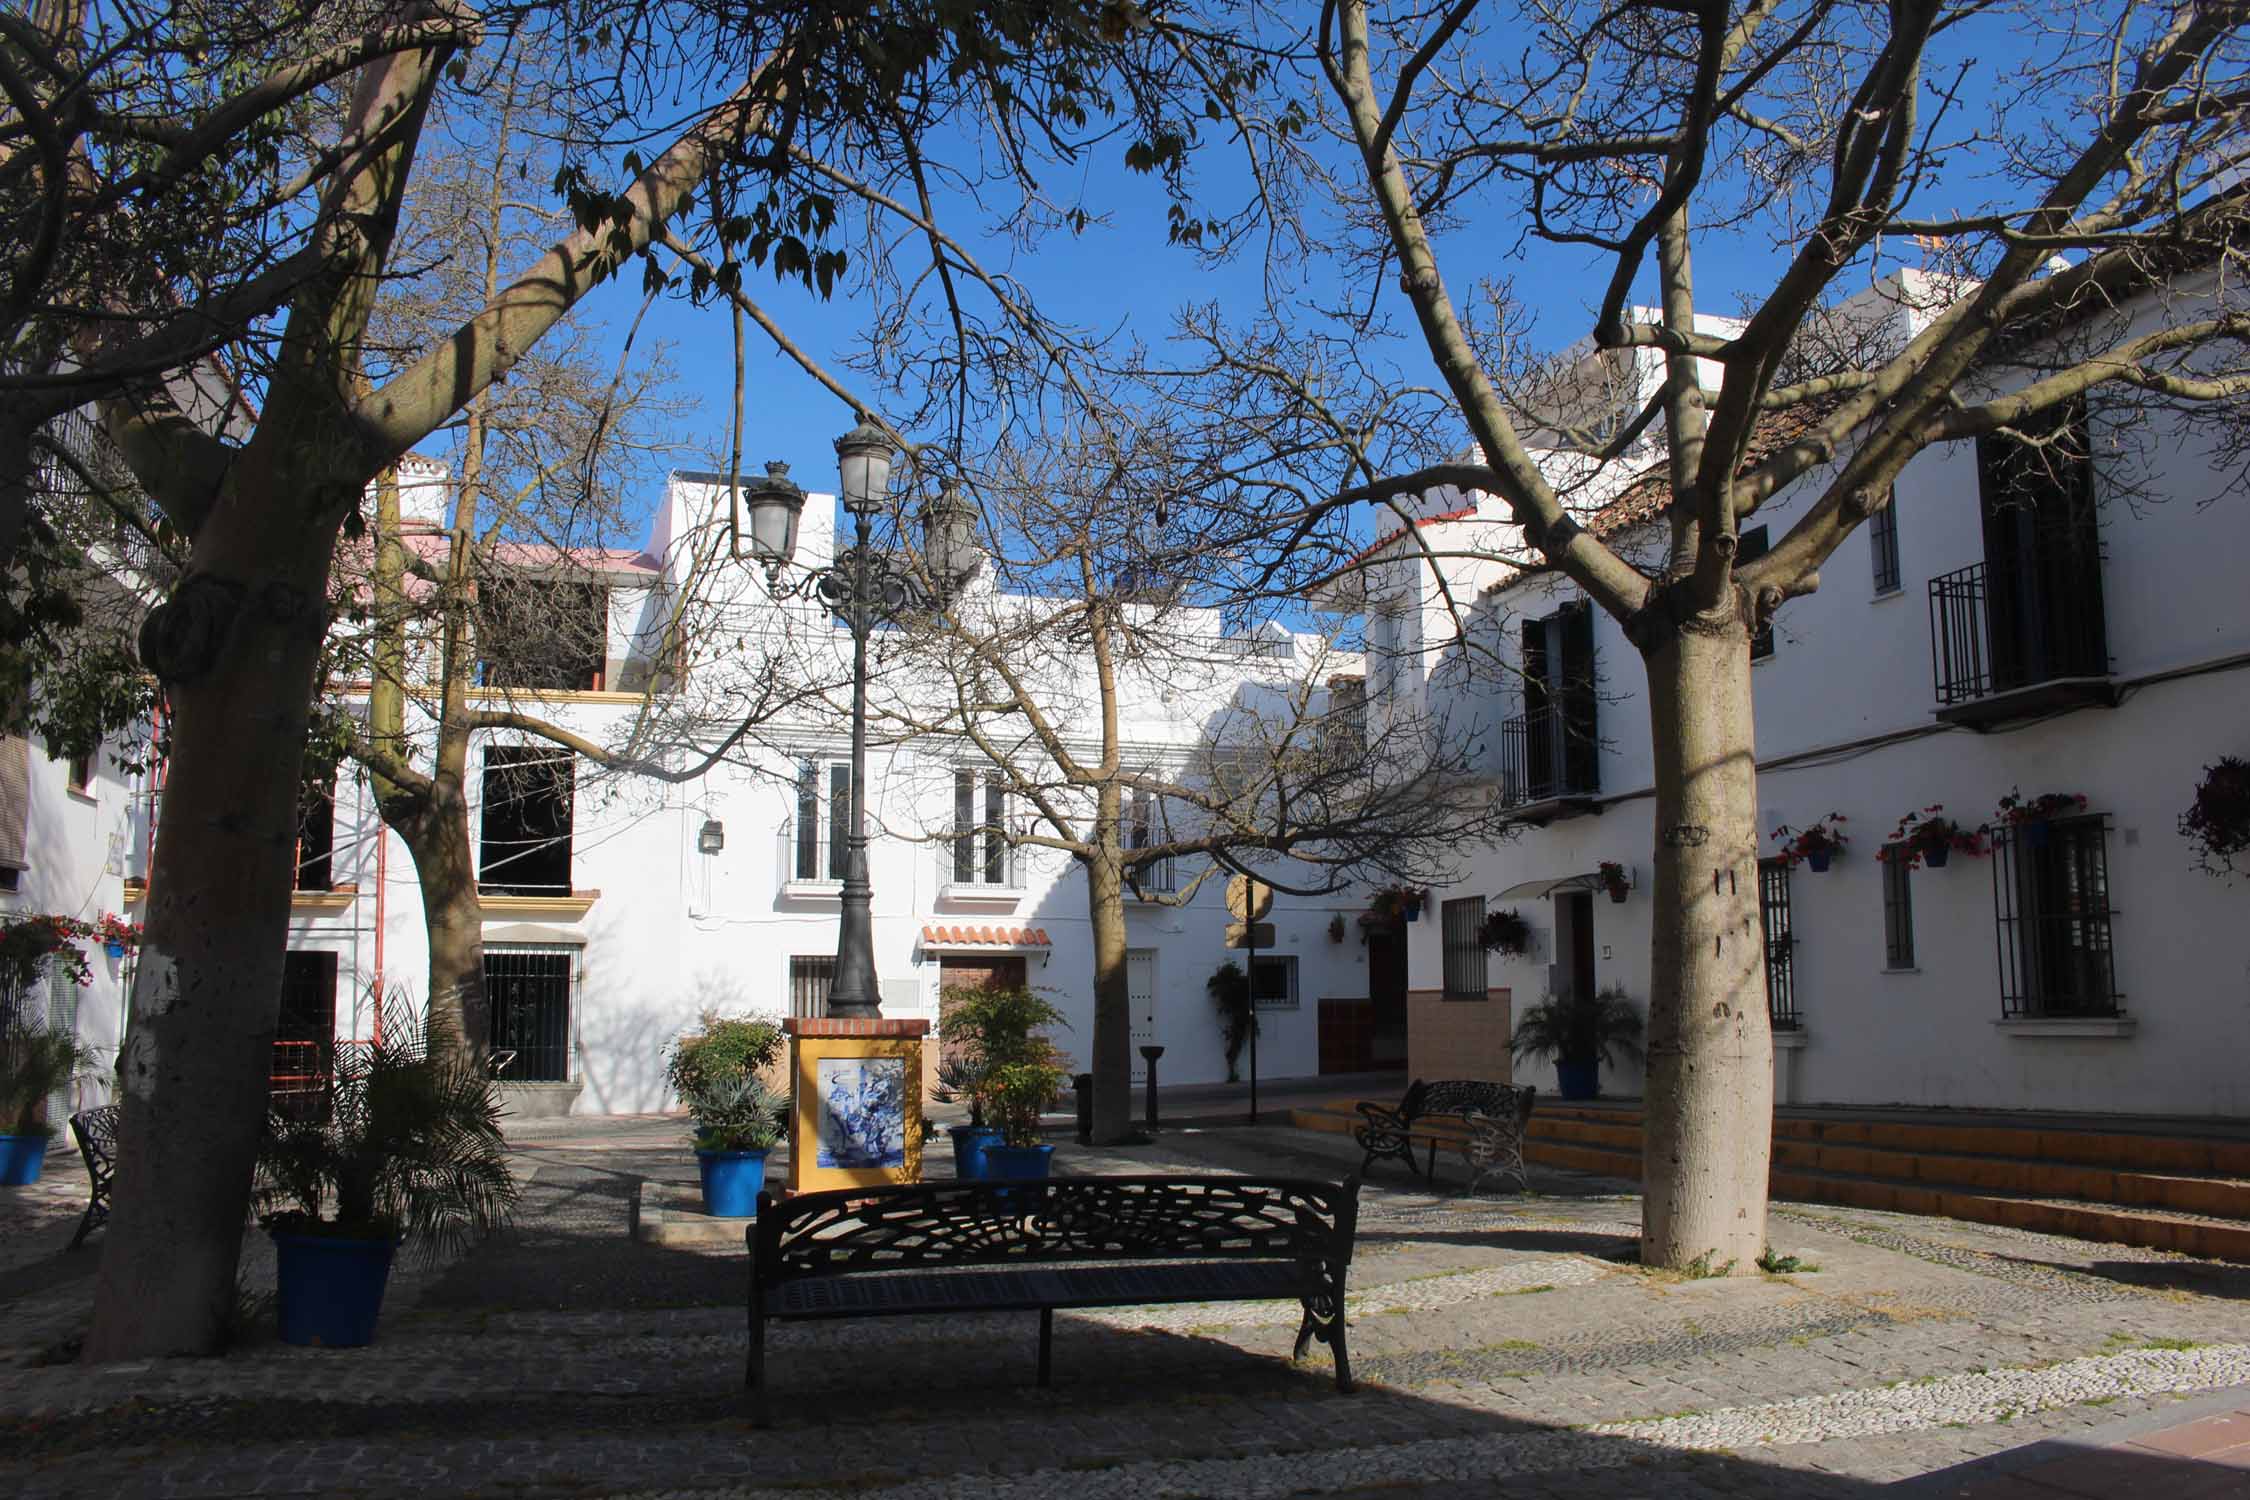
(1157, 878)
(1546, 758)
(978, 861)
(1995, 631)
(813, 861)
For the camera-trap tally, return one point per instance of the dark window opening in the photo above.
(1780, 943)
(810, 980)
(529, 994)
(1882, 545)
(527, 822)
(542, 634)
(1144, 830)
(980, 843)
(1751, 546)
(2051, 891)
(304, 1037)
(78, 770)
(839, 820)
(1273, 983)
(1898, 907)
(806, 862)
(1346, 729)
(316, 836)
(1554, 749)
(1465, 974)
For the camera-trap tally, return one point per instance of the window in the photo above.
(1346, 729)
(78, 773)
(305, 1033)
(529, 991)
(811, 977)
(15, 807)
(1274, 982)
(820, 847)
(316, 835)
(1464, 948)
(1752, 546)
(1882, 544)
(2051, 885)
(1144, 829)
(527, 821)
(1898, 907)
(542, 634)
(1554, 750)
(980, 830)
(1781, 944)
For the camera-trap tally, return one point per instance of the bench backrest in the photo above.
(1453, 1096)
(932, 1225)
(96, 1130)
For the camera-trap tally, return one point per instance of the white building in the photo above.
(616, 907)
(1979, 637)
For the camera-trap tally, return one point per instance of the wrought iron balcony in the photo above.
(1550, 766)
(978, 862)
(2010, 643)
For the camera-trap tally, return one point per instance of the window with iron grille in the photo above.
(2050, 883)
(530, 991)
(525, 850)
(1144, 828)
(1749, 547)
(304, 1036)
(821, 846)
(811, 977)
(1273, 983)
(980, 837)
(1898, 907)
(1882, 545)
(1781, 944)
(1463, 922)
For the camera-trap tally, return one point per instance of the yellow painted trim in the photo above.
(555, 908)
(322, 900)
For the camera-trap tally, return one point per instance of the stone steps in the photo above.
(2169, 1191)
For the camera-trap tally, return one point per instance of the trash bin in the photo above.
(1084, 1084)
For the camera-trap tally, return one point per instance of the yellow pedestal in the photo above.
(856, 1102)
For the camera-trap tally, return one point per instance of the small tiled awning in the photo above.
(947, 935)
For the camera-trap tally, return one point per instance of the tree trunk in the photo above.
(453, 923)
(1112, 1062)
(237, 646)
(1710, 1045)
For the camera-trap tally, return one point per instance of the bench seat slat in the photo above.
(1007, 1288)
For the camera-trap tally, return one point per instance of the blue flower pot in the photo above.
(1017, 1161)
(1818, 859)
(330, 1290)
(22, 1158)
(732, 1181)
(970, 1142)
(1935, 855)
(114, 950)
(1578, 1080)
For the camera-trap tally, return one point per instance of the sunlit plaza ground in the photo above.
(1506, 1345)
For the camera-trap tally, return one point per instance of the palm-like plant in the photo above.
(1580, 1029)
(34, 1063)
(407, 1146)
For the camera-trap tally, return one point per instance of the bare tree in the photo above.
(789, 95)
(2080, 195)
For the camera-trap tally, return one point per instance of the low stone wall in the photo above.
(1459, 1038)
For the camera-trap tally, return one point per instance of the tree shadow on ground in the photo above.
(2205, 1278)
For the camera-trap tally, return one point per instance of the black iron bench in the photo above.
(96, 1133)
(1062, 1242)
(1494, 1118)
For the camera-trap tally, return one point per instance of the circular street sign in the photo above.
(1248, 900)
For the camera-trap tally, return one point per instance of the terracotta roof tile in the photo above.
(936, 934)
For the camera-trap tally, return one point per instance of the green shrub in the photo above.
(1229, 989)
(716, 1074)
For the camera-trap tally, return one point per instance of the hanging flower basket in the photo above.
(1814, 845)
(1506, 933)
(2217, 825)
(28, 943)
(1614, 880)
(1928, 837)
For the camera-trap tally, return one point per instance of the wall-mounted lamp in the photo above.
(712, 837)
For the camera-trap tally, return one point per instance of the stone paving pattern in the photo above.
(1505, 1344)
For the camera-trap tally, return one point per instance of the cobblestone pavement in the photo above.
(1505, 1344)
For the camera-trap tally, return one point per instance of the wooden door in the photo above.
(1140, 983)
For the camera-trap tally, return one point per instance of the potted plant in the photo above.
(984, 1030)
(2033, 815)
(1614, 880)
(1930, 837)
(1016, 1094)
(406, 1149)
(2217, 825)
(34, 1063)
(738, 1116)
(1814, 845)
(29, 944)
(1506, 932)
(1336, 928)
(1400, 901)
(118, 936)
(1579, 1032)
(1229, 989)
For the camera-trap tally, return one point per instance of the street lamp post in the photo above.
(863, 587)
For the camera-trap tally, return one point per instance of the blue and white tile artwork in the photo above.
(862, 1111)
